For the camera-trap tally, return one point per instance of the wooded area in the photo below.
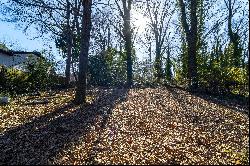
(197, 44)
(186, 60)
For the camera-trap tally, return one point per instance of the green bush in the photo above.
(221, 79)
(13, 81)
(35, 76)
(219, 72)
(107, 68)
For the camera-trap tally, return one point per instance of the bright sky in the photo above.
(14, 38)
(17, 40)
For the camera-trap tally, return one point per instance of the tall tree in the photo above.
(191, 33)
(168, 65)
(233, 36)
(159, 24)
(102, 32)
(84, 49)
(125, 13)
(69, 43)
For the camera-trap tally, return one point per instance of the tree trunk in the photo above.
(229, 23)
(74, 72)
(168, 66)
(109, 34)
(150, 52)
(234, 37)
(128, 41)
(192, 65)
(69, 46)
(67, 70)
(128, 48)
(80, 96)
(191, 38)
(192, 50)
(158, 63)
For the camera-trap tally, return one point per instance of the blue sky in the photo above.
(17, 40)
(13, 37)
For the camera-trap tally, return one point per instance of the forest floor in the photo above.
(124, 126)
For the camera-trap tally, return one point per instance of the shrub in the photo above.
(13, 81)
(35, 76)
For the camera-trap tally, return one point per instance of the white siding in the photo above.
(18, 59)
(6, 60)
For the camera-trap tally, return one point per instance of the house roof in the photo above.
(6, 52)
(13, 53)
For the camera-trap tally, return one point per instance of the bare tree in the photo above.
(191, 33)
(102, 34)
(83, 59)
(234, 33)
(125, 14)
(69, 43)
(159, 24)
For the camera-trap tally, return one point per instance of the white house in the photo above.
(17, 58)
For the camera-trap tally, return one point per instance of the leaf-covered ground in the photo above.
(121, 126)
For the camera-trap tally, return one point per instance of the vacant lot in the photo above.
(124, 126)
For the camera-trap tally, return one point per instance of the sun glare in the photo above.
(139, 21)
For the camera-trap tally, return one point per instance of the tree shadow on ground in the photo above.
(197, 112)
(207, 120)
(230, 101)
(235, 102)
(40, 140)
